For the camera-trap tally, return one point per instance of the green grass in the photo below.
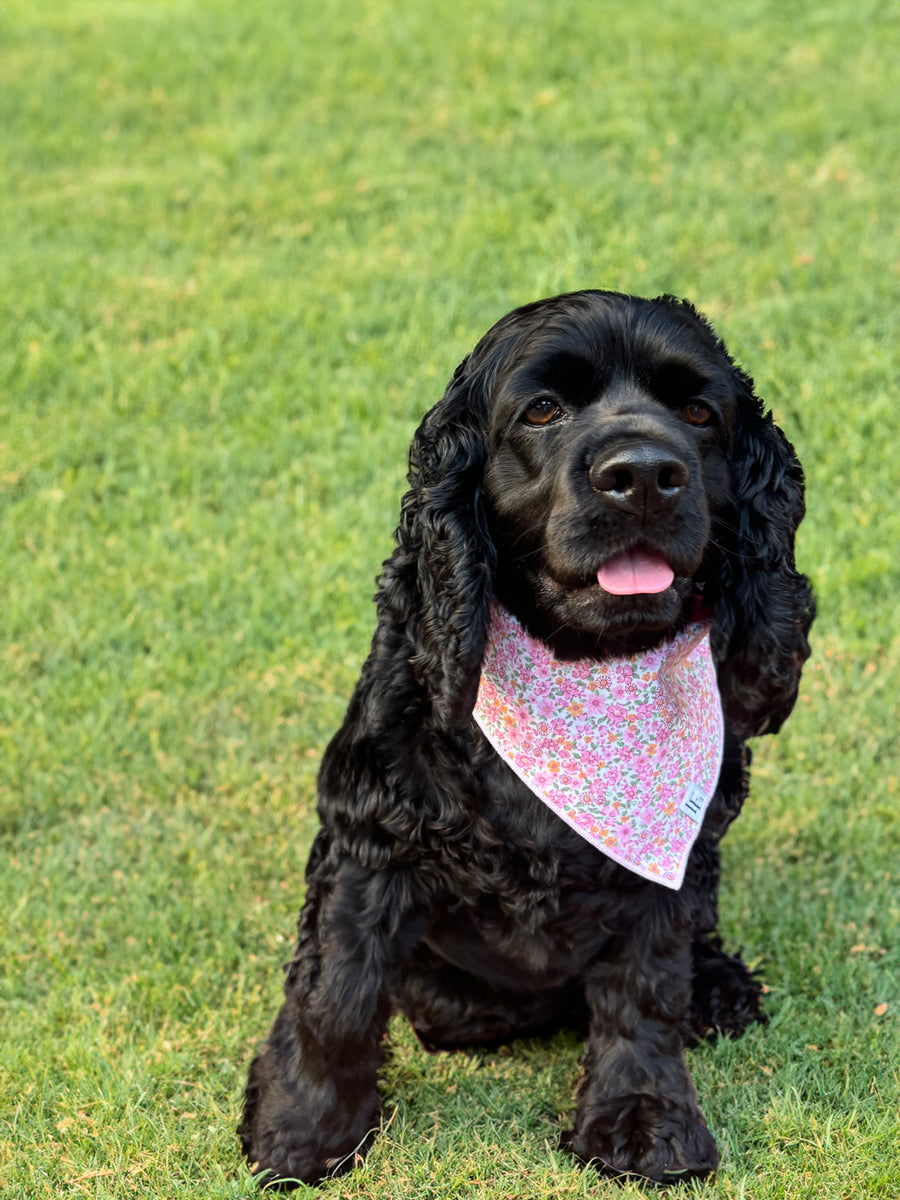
(244, 246)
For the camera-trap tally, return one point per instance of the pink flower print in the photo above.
(501, 656)
(625, 740)
(615, 755)
(582, 670)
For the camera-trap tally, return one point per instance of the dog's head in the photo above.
(601, 466)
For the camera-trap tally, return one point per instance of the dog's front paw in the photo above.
(292, 1135)
(648, 1135)
(283, 1161)
(284, 1155)
(727, 996)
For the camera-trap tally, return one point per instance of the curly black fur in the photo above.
(438, 885)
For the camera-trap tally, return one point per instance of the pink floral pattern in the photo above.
(626, 751)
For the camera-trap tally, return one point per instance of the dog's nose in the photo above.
(644, 479)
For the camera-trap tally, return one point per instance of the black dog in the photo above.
(600, 469)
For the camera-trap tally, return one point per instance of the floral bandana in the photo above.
(627, 751)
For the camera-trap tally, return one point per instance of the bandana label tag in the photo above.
(694, 803)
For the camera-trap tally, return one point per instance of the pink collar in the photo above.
(627, 751)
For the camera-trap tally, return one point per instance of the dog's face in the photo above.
(610, 427)
(598, 463)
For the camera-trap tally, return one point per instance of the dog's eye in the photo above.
(542, 412)
(696, 413)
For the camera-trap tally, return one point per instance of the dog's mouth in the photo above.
(636, 572)
(589, 601)
(631, 597)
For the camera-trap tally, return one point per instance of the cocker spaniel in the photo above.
(591, 605)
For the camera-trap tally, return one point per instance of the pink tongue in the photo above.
(634, 572)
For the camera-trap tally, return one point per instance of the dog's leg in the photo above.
(637, 1108)
(311, 1102)
(727, 996)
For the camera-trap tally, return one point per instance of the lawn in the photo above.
(243, 248)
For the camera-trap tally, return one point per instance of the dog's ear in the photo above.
(763, 607)
(435, 591)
